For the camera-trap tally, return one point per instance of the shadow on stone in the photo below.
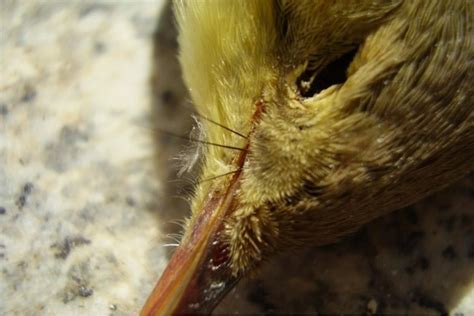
(171, 112)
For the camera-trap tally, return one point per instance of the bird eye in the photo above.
(314, 81)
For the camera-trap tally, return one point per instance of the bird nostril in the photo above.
(333, 73)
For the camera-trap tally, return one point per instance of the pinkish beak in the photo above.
(199, 274)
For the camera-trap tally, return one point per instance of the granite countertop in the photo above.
(87, 206)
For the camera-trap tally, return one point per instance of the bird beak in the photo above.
(199, 274)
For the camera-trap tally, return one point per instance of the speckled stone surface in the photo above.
(87, 208)
(79, 229)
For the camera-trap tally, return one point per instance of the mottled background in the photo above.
(89, 200)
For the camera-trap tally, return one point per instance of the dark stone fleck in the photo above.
(27, 189)
(30, 94)
(470, 250)
(130, 201)
(2, 210)
(424, 300)
(449, 253)
(167, 97)
(424, 263)
(3, 109)
(89, 8)
(85, 291)
(22, 264)
(21, 201)
(465, 220)
(259, 296)
(421, 263)
(70, 134)
(71, 294)
(64, 248)
(411, 241)
(2, 255)
(412, 216)
(62, 154)
(410, 270)
(68, 296)
(78, 284)
(444, 206)
(449, 223)
(99, 48)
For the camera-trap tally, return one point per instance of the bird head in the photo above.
(311, 128)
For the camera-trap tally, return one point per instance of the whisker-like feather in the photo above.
(192, 139)
(175, 237)
(195, 113)
(179, 222)
(220, 125)
(219, 176)
(169, 245)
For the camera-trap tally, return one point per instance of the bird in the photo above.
(316, 117)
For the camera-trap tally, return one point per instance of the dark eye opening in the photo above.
(334, 73)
